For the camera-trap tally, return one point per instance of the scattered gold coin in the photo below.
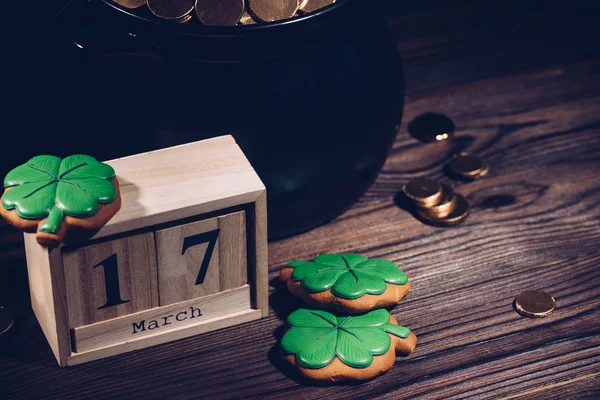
(457, 214)
(444, 206)
(431, 127)
(131, 4)
(6, 320)
(246, 19)
(313, 5)
(273, 10)
(468, 166)
(424, 192)
(534, 304)
(171, 9)
(219, 12)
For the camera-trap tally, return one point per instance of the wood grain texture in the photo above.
(48, 298)
(178, 273)
(139, 325)
(213, 324)
(258, 253)
(527, 99)
(181, 182)
(86, 287)
(233, 252)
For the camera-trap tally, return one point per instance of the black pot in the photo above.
(312, 101)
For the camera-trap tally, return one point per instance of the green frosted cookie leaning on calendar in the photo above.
(55, 197)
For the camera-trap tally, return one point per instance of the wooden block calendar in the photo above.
(186, 254)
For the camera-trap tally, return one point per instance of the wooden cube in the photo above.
(186, 254)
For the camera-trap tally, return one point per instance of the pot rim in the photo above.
(202, 30)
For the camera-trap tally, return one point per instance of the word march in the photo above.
(166, 320)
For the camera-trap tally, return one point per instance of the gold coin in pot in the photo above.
(468, 166)
(171, 9)
(534, 304)
(307, 6)
(6, 320)
(246, 19)
(424, 192)
(273, 10)
(219, 12)
(184, 20)
(131, 4)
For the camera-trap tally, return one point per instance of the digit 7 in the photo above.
(195, 240)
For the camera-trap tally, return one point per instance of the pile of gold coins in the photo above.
(436, 203)
(468, 166)
(225, 12)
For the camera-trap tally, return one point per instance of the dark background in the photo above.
(442, 43)
(513, 74)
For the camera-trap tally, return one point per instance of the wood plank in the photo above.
(447, 46)
(539, 130)
(48, 300)
(213, 324)
(166, 319)
(463, 278)
(110, 279)
(582, 387)
(181, 181)
(258, 253)
(233, 251)
(183, 250)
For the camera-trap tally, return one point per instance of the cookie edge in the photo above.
(326, 299)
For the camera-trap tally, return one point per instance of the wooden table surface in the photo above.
(522, 84)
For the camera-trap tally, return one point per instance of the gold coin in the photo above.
(534, 304)
(171, 9)
(246, 19)
(219, 12)
(313, 5)
(458, 214)
(273, 10)
(183, 20)
(424, 192)
(6, 320)
(431, 127)
(468, 166)
(444, 206)
(131, 3)
(484, 171)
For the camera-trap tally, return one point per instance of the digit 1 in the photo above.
(195, 240)
(111, 282)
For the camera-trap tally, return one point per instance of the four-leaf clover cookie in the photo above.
(52, 196)
(346, 282)
(326, 347)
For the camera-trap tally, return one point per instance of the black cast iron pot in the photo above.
(312, 101)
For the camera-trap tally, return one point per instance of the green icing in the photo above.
(316, 337)
(349, 276)
(47, 186)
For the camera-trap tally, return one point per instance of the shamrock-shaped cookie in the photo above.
(346, 282)
(54, 196)
(326, 347)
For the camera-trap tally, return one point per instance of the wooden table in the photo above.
(523, 87)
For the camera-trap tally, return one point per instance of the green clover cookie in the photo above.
(346, 282)
(324, 346)
(40, 194)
